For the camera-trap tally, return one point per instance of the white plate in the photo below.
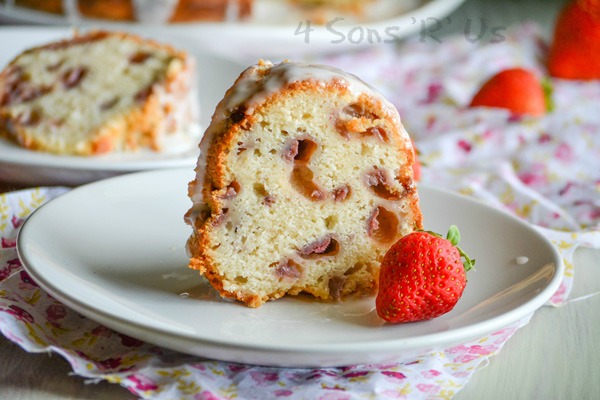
(277, 30)
(114, 251)
(25, 167)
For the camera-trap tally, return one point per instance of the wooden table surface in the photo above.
(556, 356)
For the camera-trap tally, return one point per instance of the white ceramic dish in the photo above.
(215, 76)
(114, 251)
(279, 31)
(26, 167)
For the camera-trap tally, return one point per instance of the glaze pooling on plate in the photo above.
(110, 266)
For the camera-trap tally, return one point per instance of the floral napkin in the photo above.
(544, 170)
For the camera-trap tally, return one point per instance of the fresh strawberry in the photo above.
(516, 89)
(590, 6)
(422, 276)
(575, 49)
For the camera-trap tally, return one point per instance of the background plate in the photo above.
(25, 167)
(114, 251)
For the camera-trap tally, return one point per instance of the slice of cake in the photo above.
(96, 93)
(304, 181)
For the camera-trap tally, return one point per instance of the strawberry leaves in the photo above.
(453, 236)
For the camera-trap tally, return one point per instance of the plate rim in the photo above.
(15, 155)
(456, 335)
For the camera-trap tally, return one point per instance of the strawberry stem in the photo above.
(453, 235)
(548, 92)
(468, 263)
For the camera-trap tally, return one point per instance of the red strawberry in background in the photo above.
(422, 276)
(416, 167)
(575, 49)
(518, 90)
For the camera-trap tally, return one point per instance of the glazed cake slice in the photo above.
(303, 183)
(96, 93)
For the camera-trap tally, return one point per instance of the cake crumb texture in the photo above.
(96, 93)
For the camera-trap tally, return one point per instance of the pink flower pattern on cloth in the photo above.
(544, 170)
